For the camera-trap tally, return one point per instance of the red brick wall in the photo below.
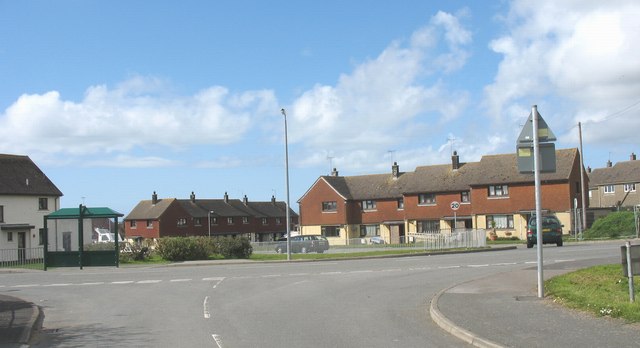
(442, 207)
(310, 206)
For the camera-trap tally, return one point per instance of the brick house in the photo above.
(615, 186)
(26, 196)
(397, 205)
(171, 217)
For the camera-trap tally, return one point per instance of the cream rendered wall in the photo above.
(19, 209)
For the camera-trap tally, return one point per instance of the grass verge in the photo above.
(601, 290)
(315, 256)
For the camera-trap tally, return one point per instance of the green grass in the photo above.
(38, 266)
(601, 290)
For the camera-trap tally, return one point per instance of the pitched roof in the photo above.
(20, 176)
(491, 169)
(620, 173)
(145, 210)
(503, 169)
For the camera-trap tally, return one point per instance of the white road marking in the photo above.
(50, 285)
(180, 280)
(95, 283)
(504, 264)
(217, 283)
(123, 282)
(212, 278)
(531, 262)
(151, 281)
(330, 273)
(298, 274)
(474, 266)
(570, 260)
(218, 340)
(271, 275)
(205, 305)
(364, 271)
(448, 267)
(26, 286)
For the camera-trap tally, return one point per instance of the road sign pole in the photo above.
(536, 174)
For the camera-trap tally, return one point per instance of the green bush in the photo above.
(234, 248)
(184, 248)
(613, 225)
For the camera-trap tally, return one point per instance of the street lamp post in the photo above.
(286, 169)
(209, 215)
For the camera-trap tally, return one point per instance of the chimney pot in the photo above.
(395, 170)
(632, 157)
(154, 198)
(193, 197)
(609, 164)
(455, 161)
(245, 200)
(334, 172)
(226, 198)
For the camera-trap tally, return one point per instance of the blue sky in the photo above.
(116, 99)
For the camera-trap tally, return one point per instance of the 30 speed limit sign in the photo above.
(455, 205)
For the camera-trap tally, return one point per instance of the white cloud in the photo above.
(137, 113)
(578, 58)
(368, 110)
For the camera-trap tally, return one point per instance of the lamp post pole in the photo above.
(286, 169)
(210, 212)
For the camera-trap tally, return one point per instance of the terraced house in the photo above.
(491, 193)
(171, 217)
(615, 185)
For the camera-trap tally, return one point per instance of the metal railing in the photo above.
(22, 258)
(460, 238)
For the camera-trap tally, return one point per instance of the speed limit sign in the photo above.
(455, 205)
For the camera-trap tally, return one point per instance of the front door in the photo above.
(22, 244)
(66, 241)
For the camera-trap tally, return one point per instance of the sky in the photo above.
(114, 100)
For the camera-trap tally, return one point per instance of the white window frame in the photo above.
(369, 204)
(496, 191)
(609, 189)
(427, 199)
(329, 206)
(629, 188)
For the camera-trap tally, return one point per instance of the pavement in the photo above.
(501, 310)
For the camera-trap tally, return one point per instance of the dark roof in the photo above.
(626, 172)
(147, 210)
(491, 169)
(503, 169)
(20, 176)
(201, 208)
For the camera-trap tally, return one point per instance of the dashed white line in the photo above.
(475, 266)
(26, 285)
(330, 273)
(150, 281)
(52, 285)
(504, 264)
(531, 262)
(123, 282)
(94, 283)
(364, 271)
(449, 267)
(271, 275)
(205, 305)
(180, 280)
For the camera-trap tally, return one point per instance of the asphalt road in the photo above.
(357, 303)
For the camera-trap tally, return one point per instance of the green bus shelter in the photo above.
(80, 257)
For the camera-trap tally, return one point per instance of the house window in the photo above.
(43, 203)
(427, 198)
(278, 221)
(629, 187)
(500, 221)
(400, 203)
(1, 213)
(329, 206)
(609, 189)
(182, 222)
(9, 236)
(197, 221)
(368, 205)
(330, 231)
(229, 221)
(264, 221)
(213, 220)
(245, 220)
(41, 236)
(133, 223)
(464, 197)
(498, 191)
(149, 223)
(369, 230)
(429, 226)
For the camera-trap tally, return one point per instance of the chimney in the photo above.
(632, 157)
(455, 161)
(226, 198)
(334, 172)
(154, 198)
(273, 200)
(193, 197)
(608, 163)
(395, 170)
(588, 169)
(245, 200)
